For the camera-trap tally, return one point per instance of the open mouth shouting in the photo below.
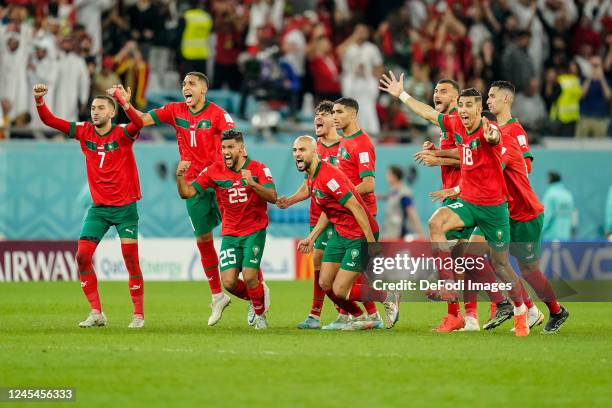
(188, 97)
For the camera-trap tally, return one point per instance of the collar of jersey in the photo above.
(317, 169)
(104, 134)
(510, 121)
(357, 133)
(246, 163)
(452, 111)
(201, 110)
(333, 144)
(475, 130)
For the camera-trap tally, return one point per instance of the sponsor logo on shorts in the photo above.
(354, 253)
(256, 250)
(129, 230)
(351, 264)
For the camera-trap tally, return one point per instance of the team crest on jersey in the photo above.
(474, 144)
(333, 185)
(343, 153)
(318, 193)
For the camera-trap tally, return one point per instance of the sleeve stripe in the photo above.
(72, 131)
(127, 134)
(345, 198)
(155, 117)
(441, 121)
(268, 185)
(368, 173)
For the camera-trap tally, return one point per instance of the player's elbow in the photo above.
(272, 196)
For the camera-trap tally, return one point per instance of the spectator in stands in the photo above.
(14, 54)
(42, 69)
(115, 31)
(360, 85)
(133, 71)
(89, 14)
(418, 85)
(145, 24)
(229, 27)
(529, 107)
(401, 217)
(262, 13)
(594, 105)
(565, 111)
(558, 210)
(517, 66)
(324, 70)
(106, 78)
(195, 27)
(73, 82)
(357, 50)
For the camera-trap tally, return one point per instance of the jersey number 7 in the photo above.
(102, 155)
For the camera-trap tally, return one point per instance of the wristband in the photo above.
(119, 98)
(404, 96)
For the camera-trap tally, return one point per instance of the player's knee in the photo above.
(204, 237)
(340, 290)
(325, 284)
(435, 224)
(229, 281)
(251, 282)
(84, 259)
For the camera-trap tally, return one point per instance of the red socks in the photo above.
(364, 293)
(526, 298)
(453, 308)
(444, 273)
(347, 306)
(318, 296)
(370, 307)
(135, 281)
(257, 298)
(240, 290)
(541, 286)
(89, 281)
(210, 263)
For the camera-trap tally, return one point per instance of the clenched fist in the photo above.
(39, 90)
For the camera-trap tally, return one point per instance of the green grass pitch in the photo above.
(177, 360)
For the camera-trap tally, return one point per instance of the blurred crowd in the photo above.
(291, 53)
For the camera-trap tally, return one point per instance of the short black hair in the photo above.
(232, 134)
(108, 99)
(471, 92)
(348, 102)
(396, 171)
(325, 106)
(489, 115)
(201, 76)
(452, 82)
(505, 85)
(554, 177)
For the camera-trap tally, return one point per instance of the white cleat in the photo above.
(377, 322)
(392, 311)
(359, 323)
(534, 317)
(260, 322)
(94, 320)
(251, 314)
(266, 297)
(137, 323)
(219, 303)
(471, 324)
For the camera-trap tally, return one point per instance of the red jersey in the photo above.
(451, 176)
(482, 178)
(357, 159)
(515, 129)
(331, 189)
(328, 154)
(111, 168)
(198, 133)
(243, 212)
(523, 204)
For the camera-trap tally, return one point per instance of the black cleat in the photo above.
(556, 321)
(504, 311)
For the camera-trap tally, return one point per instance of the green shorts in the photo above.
(326, 235)
(242, 252)
(492, 220)
(100, 218)
(526, 239)
(463, 234)
(346, 252)
(203, 211)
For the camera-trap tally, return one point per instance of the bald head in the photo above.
(305, 152)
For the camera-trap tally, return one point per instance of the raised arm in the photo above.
(122, 97)
(39, 91)
(145, 117)
(395, 87)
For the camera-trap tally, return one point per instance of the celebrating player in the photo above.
(446, 95)
(342, 205)
(198, 124)
(243, 188)
(482, 200)
(328, 142)
(526, 211)
(113, 182)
